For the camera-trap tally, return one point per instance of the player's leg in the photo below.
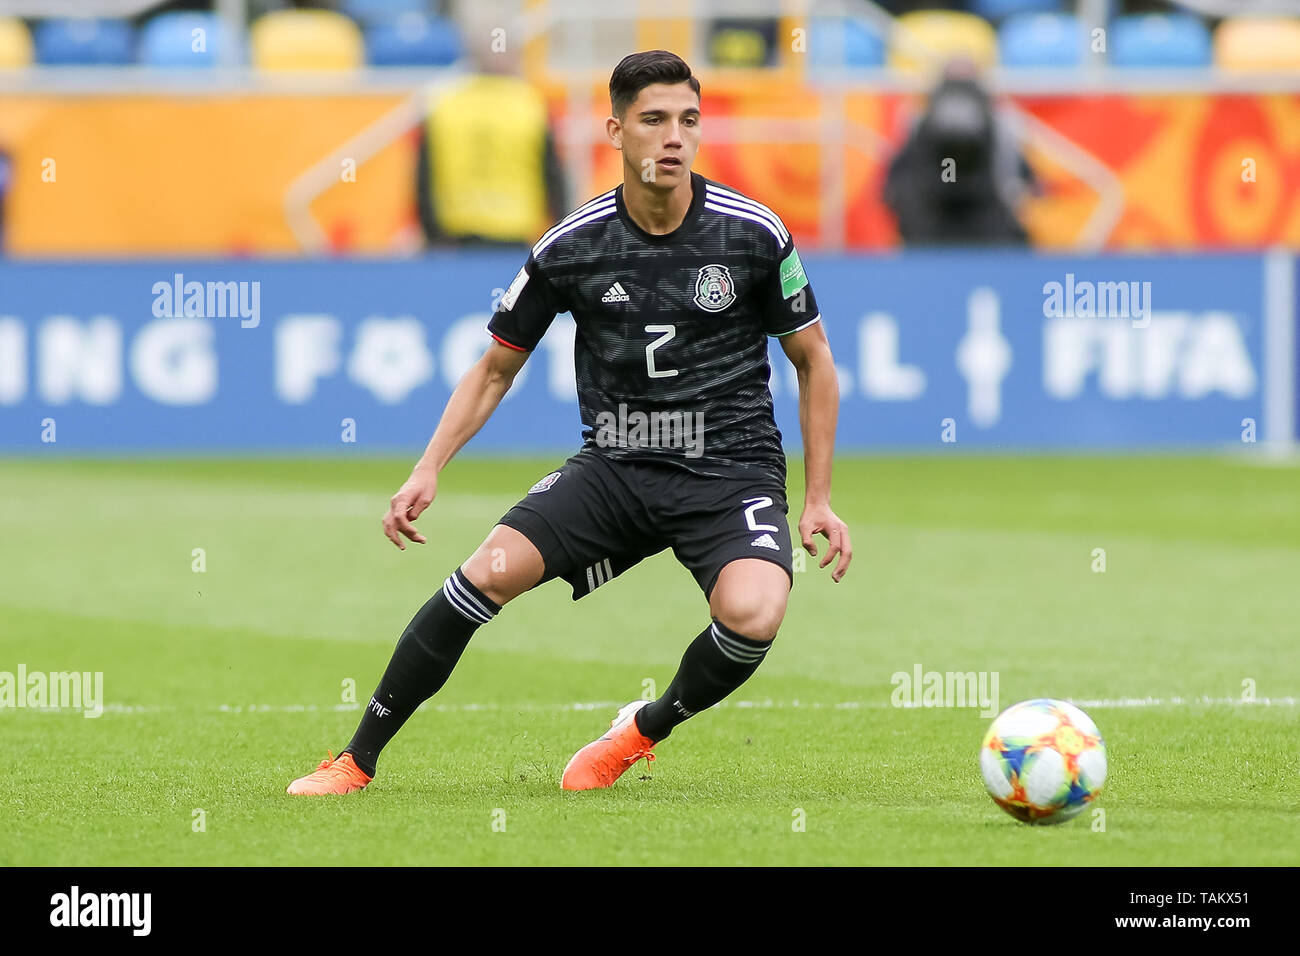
(577, 523)
(747, 605)
(505, 565)
(733, 536)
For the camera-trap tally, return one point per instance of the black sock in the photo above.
(716, 663)
(426, 653)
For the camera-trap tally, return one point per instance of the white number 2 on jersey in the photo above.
(668, 332)
(754, 505)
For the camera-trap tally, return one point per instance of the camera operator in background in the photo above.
(960, 176)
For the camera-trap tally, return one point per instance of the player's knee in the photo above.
(505, 565)
(754, 615)
(492, 586)
(750, 598)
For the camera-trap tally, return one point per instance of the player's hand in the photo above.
(405, 506)
(819, 519)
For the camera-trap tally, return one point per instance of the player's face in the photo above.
(659, 134)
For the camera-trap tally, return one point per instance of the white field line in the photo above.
(1105, 703)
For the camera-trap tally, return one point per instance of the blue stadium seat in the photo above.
(83, 41)
(413, 40)
(997, 9)
(169, 40)
(835, 42)
(1159, 40)
(1041, 40)
(377, 11)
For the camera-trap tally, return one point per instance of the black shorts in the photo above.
(596, 517)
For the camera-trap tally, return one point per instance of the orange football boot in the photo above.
(603, 761)
(335, 775)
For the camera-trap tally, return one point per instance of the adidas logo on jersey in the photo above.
(616, 293)
(765, 541)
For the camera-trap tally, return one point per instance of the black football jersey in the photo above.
(671, 347)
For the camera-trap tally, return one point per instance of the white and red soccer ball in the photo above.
(1043, 761)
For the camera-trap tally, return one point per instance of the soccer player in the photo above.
(674, 282)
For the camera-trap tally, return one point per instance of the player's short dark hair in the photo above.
(638, 70)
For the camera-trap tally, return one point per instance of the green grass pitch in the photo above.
(223, 685)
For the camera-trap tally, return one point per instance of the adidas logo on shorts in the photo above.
(765, 541)
(616, 293)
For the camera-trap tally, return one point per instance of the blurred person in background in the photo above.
(6, 168)
(487, 171)
(961, 175)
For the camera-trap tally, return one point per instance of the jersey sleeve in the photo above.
(786, 299)
(527, 309)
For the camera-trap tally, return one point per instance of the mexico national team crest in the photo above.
(714, 289)
(545, 483)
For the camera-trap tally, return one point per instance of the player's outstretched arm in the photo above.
(819, 403)
(472, 403)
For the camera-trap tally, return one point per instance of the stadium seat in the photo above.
(305, 40)
(413, 39)
(1159, 40)
(378, 11)
(1258, 45)
(835, 42)
(1041, 40)
(82, 41)
(946, 35)
(15, 44)
(997, 9)
(169, 40)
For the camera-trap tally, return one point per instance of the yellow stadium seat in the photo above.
(1258, 45)
(924, 40)
(15, 44)
(305, 40)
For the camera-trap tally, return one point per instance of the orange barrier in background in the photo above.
(142, 175)
(1198, 171)
(207, 175)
